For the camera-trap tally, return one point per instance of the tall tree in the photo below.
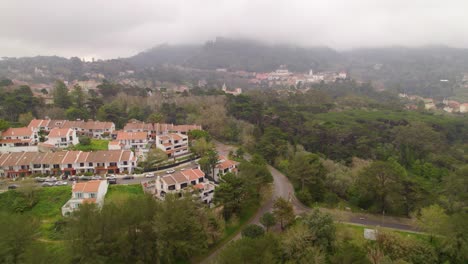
(307, 169)
(78, 97)
(154, 118)
(268, 220)
(283, 211)
(61, 96)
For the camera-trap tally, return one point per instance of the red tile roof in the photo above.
(131, 135)
(87, 187)
(17, 132)
(60, 132)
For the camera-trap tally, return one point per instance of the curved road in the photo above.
(283, 188)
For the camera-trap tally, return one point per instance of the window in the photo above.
(71, 138)
(82, 164)
(63, 139)
(171, 187)
(79, 195)
(183, 185)
(69, 166)
(92, 195)
(90, 164)
(125, 163)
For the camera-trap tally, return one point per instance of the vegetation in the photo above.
(91, 145)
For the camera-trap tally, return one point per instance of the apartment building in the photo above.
(173, 144)
(17, 164)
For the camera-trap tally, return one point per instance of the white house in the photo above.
(19, 139)
(62, 137)
(174, 144)
(86, 192)
(224, 166)
(135, 140)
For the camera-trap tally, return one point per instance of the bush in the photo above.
(331, 198)
(305, 197)
(253, 231)
(85, 141)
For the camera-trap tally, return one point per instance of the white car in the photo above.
(170, 171)
(61, 183)
(149, 175)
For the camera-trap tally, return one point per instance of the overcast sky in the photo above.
(120, 28)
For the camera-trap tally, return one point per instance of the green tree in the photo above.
(74, 113)
(348, 253)
(322, 228)
(380, 186)
(154, 118)
(154, 158)
(108, 89)
(283, 211)
(297, 247)
(233, 193)
(177, 224)
(78, 97)
(201, 147)
(264, 249)
(93, 104)
(4, 125)
(253, 231)
(268, 220)
(61, 97)
(85, 141)
(308, 171)
(432, 220)
(17, 234)
(25, 118)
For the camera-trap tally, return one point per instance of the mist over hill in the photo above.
(413, 70)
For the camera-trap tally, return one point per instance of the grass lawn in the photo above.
(116, 191)
(96, 144)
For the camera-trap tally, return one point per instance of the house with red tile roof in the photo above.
(86, 192)
(91, 128)
(180, 181)
(174, 144)
(19, 139)
(158, 128)
(67, 162)
(62, 137)
(224, 166)
(132, 140)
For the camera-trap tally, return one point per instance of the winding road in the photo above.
(283, 188)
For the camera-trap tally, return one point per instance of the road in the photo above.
(283, 188)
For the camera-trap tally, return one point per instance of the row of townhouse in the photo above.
(90, 128)
(158, 129)
(86, 192)
(180, 181)
(66, 162)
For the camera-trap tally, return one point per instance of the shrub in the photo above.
(253, 231)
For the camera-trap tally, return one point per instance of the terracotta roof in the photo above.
(168, 179)
(179, 177)
(59, 132)
(71, 157)
(193, 174)
(17, 132)
(87, 187)
(131, 135)
(14, 141)
(225, 163)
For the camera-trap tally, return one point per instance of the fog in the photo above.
(118, 28)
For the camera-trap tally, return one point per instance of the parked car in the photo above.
(73, 178)
(96, 177)
(64, 177)
(112, 180)
(13, 186)
(170, 171)
(128, 177)
(47, 184)
(61, 183)
(85, 178)
(149, 175)
(51, 179)
(40, 179)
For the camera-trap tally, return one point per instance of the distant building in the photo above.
(224, 166)
(19, 139)
(132, 140)
(62, 137)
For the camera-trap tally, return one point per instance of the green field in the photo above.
(119, 191)
(96, 144)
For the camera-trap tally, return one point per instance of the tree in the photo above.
(199, 134)
(108, 89)
(253, 231)
(155, 118)
(61, 97)
(348, 253)
(322, 227)
(25, 118)
(307, 169)
(154, 158)
(77, 97)
(283, 211)
(17, 233)
(93, 103)
(268, 220)
(74, 113)
(264, 249)
(177, 224)
(232, 193)
(201, 147)
(297, 247)
(4, 125)
(380, 186)
(85, 141)
(432, 220)
(44, 91)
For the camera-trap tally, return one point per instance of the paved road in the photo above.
(283, 188)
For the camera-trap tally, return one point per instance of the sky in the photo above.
(105, 29)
